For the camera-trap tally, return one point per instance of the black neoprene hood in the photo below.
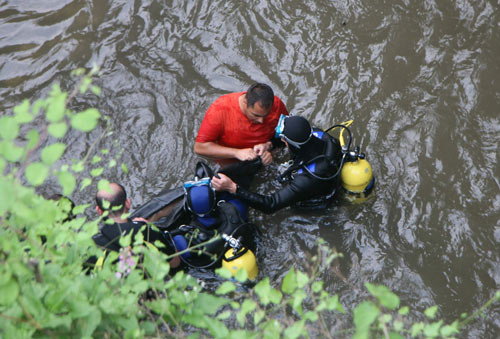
(297, 129)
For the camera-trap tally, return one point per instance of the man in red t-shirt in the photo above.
(240, 125)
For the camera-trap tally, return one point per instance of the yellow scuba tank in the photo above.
(357, 175)
(244, 258)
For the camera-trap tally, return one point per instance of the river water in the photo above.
(421, 79)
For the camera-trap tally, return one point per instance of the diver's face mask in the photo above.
(279, 132)
(200, 197)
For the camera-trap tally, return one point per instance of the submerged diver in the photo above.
(311, 180)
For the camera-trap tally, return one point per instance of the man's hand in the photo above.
(246, 154)
(263, 150)
(266, 158)
(223, 183)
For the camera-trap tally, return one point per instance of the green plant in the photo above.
(44, 292)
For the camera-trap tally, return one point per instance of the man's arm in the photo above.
(215, 151)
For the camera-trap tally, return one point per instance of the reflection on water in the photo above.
(421, 80)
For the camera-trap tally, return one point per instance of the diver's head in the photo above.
(295, 130)
(200, 197)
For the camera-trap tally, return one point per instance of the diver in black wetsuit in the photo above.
(311, 180)
(116, 203)
(194, 214)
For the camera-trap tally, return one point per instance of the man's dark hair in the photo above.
(262, 93)
(116, 199)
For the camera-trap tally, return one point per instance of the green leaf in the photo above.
(431, 312)
(225, 288)
(385, 297)
(10, 151)
(124, 168)
(295, 330)
(404, 310)
(209, 304)
(217, 328)
(224, 272)
(393, 335)
(333, 303)
(78, 167)
(258, 316)
(67, 182)
(246, 307)
(417, 328)
(56, 107)
(449, 330)
(317, 286)
(103, 185)
(36, 173)
(9, 128)
(432, 330)
(298, 297)
(96, 172)
(85, 183)
(33, 138)
(96, 90)
(126, 240)
(52, 153)
(398, 325)
(241, 275)
(40, 103)
(9, 294)
(224, 315)
(58, 129)
(85, 121)
(6, 195)
(96, 159)
(311, 316)
(275, 296)
(91, 322)
(302, 279)
(364, 315)
(263, 290)
(22, 112)
(112, 163)
(289, 282)
(85, 84)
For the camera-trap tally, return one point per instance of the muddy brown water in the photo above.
(421, 79)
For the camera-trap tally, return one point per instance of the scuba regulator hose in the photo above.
(342, 161)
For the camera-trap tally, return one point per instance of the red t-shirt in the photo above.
(225, 123)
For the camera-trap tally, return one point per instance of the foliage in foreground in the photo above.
(45, 293)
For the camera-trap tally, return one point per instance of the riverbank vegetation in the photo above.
(45, 241)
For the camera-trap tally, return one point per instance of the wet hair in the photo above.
(262, 93)
(116, 199)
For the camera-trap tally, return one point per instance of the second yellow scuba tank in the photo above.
(356, 174)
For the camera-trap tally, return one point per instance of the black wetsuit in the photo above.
(303, 189)
(109, 236)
